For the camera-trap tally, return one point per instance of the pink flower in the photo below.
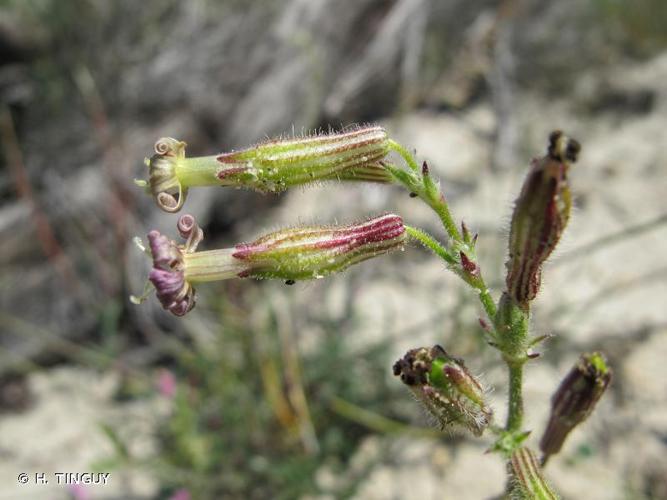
(166, 383)
(181, 494)
(79, 492)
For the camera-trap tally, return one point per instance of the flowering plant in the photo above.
(440, 381)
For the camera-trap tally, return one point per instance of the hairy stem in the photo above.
(405, 154)
(420, 187)
(510, 327)
(515, 410)
(440, 207)
(486, 300)
(431, 243)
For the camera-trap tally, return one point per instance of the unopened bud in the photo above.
(291, 254)
(271, 166)
(540, 215)
(575, 400)
(526, 479)
(445, 387)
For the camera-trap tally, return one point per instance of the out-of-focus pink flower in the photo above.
(166, 383)
(79, 492)
(181, 494)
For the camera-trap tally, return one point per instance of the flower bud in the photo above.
(445, 387)
(271, 166)
(575, 400)
(526, 479)
(540, 215)
(290, 254)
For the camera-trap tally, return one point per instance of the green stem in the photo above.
(431, 243)
(486, 300)
(440, 207)
(405, 154)
(424, 187)
(428, 191)
(515, 411)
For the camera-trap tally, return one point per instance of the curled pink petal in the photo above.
(172, 290)
(190, 231)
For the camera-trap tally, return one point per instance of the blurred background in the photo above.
(269, 391)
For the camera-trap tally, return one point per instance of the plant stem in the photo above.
(428, 192)
(405, 154)
(431, 243)
(486, 300)
(440, 207)
(515, 410)
(514, 320)
(431, 197)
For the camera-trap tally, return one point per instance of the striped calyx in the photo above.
(540, 215)
(317, 251)
(527, 481)
(575, 399)
(445, 387)
(278, 164)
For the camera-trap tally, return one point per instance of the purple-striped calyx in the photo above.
(271, 166)
(316, 251)
(575, 399)
(540, 215)
(446, 389)
(292, 254)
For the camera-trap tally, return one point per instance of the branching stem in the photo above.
(508, 331)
